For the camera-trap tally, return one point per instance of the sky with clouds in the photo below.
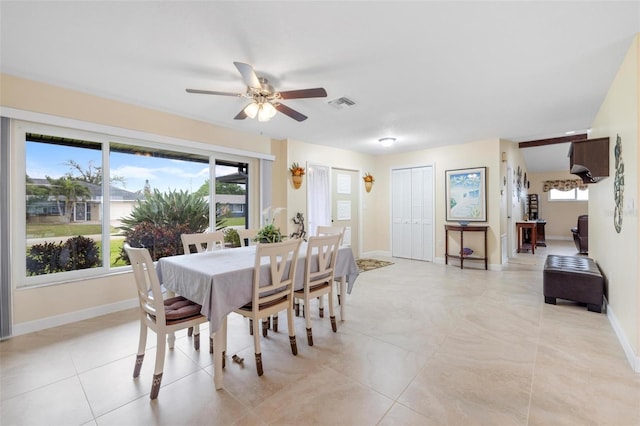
(163, 174)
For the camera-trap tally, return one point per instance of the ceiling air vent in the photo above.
(341, 103)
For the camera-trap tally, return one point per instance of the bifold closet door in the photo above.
(401, 213)
(422, 213)
(412, 213)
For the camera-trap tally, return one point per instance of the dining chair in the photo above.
(249, 235)
(277, 295)
(319, 274)
(164, 317)
(331, 230)
(204, 241)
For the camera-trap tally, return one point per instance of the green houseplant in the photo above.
(269, 234)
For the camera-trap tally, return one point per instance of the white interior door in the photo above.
(401, 213)
(345, 206)
(412, 213)
(422, 213)
(319, 197)
(510, 223)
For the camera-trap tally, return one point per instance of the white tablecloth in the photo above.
(222, 281)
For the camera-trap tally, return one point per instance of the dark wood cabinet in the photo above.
(589, 159)
(533, 208)
(540, 237)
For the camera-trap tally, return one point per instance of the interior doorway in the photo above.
(345, 206)
(334, 200)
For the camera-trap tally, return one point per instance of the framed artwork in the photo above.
(466, 192)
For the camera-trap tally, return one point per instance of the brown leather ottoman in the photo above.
(573, 278)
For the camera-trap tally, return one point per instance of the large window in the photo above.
(63, 203)
(76, 221)
(570, 195)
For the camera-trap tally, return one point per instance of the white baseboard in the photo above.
(382, 253)
(54, 321)
(633, 358)
(559, 237)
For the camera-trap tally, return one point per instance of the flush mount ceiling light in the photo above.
(387, 142)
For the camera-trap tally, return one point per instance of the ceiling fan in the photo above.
(265, 101)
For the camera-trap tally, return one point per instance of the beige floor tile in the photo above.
(191, 400)
(381, 366)
(423, 344)
(59, 403)
(112, 385)
(401, 415)
(325, 397)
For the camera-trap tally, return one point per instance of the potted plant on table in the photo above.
(269, 233)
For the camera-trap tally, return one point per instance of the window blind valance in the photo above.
(563, 185)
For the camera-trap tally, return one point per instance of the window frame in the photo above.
(17, 213)
(567, 200)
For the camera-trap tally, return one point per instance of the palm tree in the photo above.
(68, 190)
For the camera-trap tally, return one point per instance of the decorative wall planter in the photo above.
(296, 174)
(368, 181)
(297, 181)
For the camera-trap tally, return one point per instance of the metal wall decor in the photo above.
(618, 186)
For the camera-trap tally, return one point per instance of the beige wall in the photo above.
(477, 154)
(305, 153)
(33, 304)
(561, 216)
(618, 253)
(37, 97)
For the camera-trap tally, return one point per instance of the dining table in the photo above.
(222, 281)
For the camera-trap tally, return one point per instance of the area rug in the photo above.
(369, 264)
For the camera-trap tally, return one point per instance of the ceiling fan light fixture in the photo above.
(387, 142)
(252, 110)
(266, 112)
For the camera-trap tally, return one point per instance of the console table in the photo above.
(520, 227)
(461, 256)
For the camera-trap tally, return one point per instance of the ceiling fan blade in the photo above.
(241, 115)
(318, 92)
(248, 75)
(290, 112)
(213, 92)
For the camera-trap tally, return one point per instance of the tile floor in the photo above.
(423, 344)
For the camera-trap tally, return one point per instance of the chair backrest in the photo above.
(205, 241)
(247, 234)
(147, 282)
(283, 262)
(320, 263)
(331, 230)
(583, 225)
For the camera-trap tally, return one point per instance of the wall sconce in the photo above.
(368, 181)
(296, 174)
(504, 156)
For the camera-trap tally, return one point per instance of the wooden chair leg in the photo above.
(256, 344)
(292, 332)
(142, 343)
(157, 374)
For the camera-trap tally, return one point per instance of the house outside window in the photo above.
(74, 219)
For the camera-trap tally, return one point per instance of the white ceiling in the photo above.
(427, 73)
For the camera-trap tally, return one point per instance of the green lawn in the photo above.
(35, 230)
(233, 221)
(68, 230)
